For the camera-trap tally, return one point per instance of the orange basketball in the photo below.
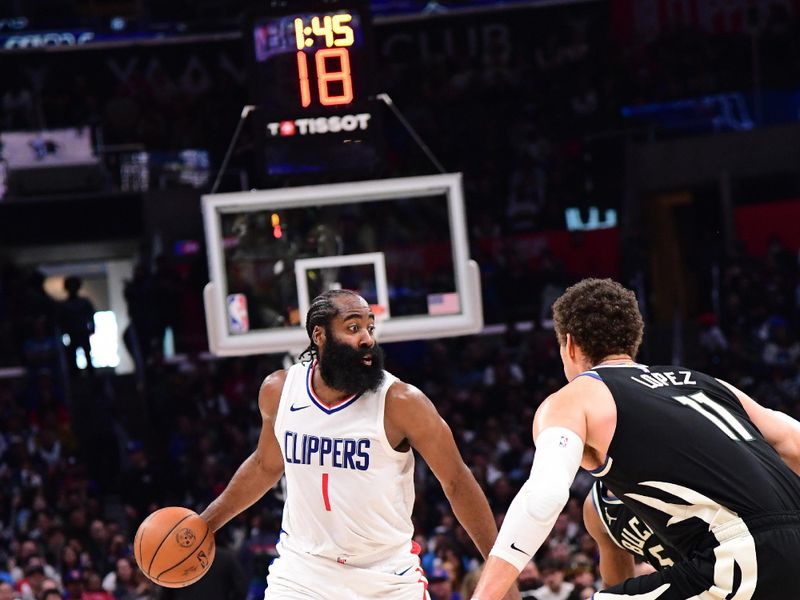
(174, 547)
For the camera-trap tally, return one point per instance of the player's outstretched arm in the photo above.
(261, 470)
(616, 564)
(413, 415)
(780, 430)
(559, 429)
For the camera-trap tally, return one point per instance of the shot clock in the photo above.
(310, 65)
(332, 62)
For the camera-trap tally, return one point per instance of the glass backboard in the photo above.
(401, 243)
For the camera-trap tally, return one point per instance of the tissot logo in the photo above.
(319, 125)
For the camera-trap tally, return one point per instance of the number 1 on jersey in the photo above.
(325, 497)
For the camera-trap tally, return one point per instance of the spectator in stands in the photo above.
(781, 349)
(166, 295)
(76, 317)
(17, 103)
(40, 349)
(98, 545)
(440, 585)
(140, 484)
(469, 582)
(554, 586)
(118, 548)
(31, 586)
(526, 197)
(711, 337)
(69, 560)
(565, 532)
(583, 593)
(73, 585)
(7, 591)
(38, 303)
(140, 334)
(93, 588)
(584, 580)
(126, 582)
(225, 579)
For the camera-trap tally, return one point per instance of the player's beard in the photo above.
(342, 368)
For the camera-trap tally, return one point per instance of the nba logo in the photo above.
(238, 321)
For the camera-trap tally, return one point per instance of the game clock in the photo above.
(310, 67)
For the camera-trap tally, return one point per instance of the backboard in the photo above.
(401, 243)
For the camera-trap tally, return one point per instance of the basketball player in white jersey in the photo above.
(713, 473)
(342, 430)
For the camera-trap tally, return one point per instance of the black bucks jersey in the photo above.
(686, 458)
(628, 531)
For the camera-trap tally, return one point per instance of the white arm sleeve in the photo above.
(534, 510)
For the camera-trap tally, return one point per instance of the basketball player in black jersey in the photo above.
(621, 537)
(713, 473)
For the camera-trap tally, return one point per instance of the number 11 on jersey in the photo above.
(325, 497)
(717, 414)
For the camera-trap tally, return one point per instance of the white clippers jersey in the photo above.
(349, 493)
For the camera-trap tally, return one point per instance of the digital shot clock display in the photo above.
(334, 76)
(310, 65)
(311, 60)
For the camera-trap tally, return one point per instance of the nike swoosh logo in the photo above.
(293, 408)
(403, 572)
(514, 547)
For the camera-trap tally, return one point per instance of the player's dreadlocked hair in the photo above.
(321, 311)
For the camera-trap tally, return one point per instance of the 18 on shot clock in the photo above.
(310, 64)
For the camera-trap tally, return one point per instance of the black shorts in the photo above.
(754, 559)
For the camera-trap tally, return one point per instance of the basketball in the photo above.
(174, 547)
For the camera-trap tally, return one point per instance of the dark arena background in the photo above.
(656, 142)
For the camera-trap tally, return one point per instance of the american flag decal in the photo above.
(444, 304)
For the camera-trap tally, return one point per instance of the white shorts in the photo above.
(294, 576)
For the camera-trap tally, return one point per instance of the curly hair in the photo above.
(602, 317)
(321, 311)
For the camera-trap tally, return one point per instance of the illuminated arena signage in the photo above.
(44, 39)
(320, 125)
